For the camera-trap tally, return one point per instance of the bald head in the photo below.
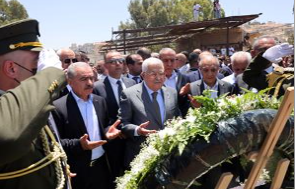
(205, 54)
(180, 60)
(208, 61)
(240, 61)
(67, 57)
(263, 43)
(209, 68)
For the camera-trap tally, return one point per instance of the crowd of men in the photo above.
(102, 112)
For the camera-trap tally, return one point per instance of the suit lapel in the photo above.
(167, 99)
(75, 114)
(201, 87)
(178, 81)
(221, 89)
(140, 95)
(99, 115)
(110, 93)
(127, 82)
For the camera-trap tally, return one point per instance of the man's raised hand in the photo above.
(143, 131)
(113, 132)
(90, 145)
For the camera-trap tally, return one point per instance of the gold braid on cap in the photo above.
(21, 44)
(54, 154)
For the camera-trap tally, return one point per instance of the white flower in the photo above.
(190, 118)
(166, 132)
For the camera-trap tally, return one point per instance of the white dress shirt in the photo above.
(69, 88)
(90, 119)
(214, 94)
(184, 69)
(230, 79)
(171, 81)
(114, 85)
(101, 76)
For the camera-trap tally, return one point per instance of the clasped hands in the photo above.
(112, 133)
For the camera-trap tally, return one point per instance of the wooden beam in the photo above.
(141, 42)
(272, 137)
(191, 24)
(280, 174)
(141, 38)
(139, 45)
(224, 181)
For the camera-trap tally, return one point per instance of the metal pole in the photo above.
(227, 39)
(124, 38)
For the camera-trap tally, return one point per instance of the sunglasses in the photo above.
(68, 60)
(116, 60)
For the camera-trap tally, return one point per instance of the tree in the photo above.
(154, 13)
(11, 11)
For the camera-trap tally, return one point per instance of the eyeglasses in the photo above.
(33, 71)
(116, 60)
(69, 60)
(154, 74)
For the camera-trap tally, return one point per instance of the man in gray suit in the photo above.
(145, 107)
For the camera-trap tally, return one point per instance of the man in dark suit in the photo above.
(174, 78)
(110, 89)
(209, 67)
(134, 62)
(145, 107)
(81, 118)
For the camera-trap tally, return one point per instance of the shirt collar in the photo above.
(132, 76)
(150, 91)
(215, 87)
(269, 69)
(114, 80)
(173, 76)
(78, 99)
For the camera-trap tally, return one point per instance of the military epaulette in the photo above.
(279, 76)
(53, 86)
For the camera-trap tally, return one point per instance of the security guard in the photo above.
(31, 157)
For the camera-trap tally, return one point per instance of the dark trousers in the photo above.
(115, 150)
(94, 175)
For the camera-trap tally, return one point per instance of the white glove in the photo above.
(48, 58)
(275, 53)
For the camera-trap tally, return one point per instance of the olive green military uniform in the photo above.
(256, 77)
(23, 112)
(24, 137)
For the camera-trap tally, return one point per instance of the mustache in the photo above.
(88, 87)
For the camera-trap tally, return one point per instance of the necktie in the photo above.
(120, 88)
(136, 78)
(156, 107)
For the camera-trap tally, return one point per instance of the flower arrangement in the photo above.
(178, 132)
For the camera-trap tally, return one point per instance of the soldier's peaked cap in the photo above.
(20, 35)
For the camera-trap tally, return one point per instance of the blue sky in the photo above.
(63, 22)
